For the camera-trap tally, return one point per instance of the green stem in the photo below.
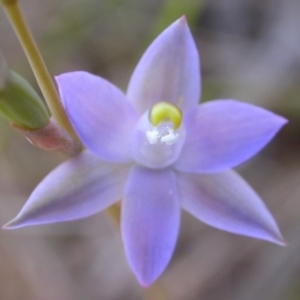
(14, 13)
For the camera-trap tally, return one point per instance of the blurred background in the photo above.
(250, 50)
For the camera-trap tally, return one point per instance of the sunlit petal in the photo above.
(168, 71)
(224, 133)
(100, 114)
(150, 221)
(227, 202)
(78, 188)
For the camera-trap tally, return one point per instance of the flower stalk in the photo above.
(14, 13)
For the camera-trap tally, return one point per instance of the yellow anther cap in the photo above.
(165, 111)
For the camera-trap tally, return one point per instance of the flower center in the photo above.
(166, 118)
(159, 136)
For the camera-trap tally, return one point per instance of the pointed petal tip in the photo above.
(278, 239)
(182, 23)
(280, 120)
(282, 242)
(146, 280)
(16, 223)
(13, 224)
(5, 226)
(183, 19)
(283, 120)
(145, 284)
(277, 122)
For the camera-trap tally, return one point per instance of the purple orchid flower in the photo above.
(158, 151)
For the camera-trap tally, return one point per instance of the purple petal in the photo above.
(78, 188)
(168, 71)
(100, 114)
(224, 133)
(227, 202)
(150, 221)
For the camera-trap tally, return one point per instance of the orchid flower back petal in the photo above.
(168, 71)
(78, 188)
(150, 221)
(100, 113)
(227, 202)
(222, 134)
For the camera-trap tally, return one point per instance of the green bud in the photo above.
(19, 103)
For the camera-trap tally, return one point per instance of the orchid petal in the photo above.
(150, 221)
(168, 71)
(100, 114)
(223, 134)
(227, 202)
(78, 188)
